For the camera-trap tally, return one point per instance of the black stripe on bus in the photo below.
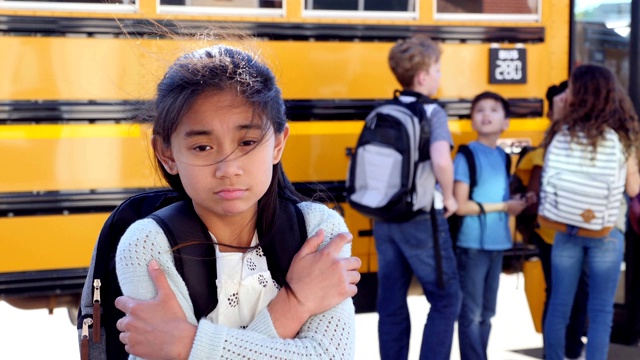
(95, 201)
(41, 283)
(42, 112)
(48, 26)
(85, 202)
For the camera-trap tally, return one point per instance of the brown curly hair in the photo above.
(409, 56)
(597, 102)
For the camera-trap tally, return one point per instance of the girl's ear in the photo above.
(280, 141)
(164, 154)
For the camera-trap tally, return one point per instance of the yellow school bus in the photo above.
(74, 73)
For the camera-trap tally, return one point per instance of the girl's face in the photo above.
(488, 117)
(224, 165)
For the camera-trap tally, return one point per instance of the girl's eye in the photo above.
(248, 142)
(202, 148)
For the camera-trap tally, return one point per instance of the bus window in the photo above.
(602, 30)
(127, 2)
(361, 5)
(252, 4)
(487, 9)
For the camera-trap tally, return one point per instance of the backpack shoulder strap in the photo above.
(286, 239)
(103, 312)
(134, 208)
(471, 163)
(422, 108)
(193, 253)
(507, 164)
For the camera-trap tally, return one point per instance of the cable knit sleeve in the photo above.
(330, 335)
(144, 240)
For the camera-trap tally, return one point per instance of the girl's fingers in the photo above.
(353, 277)
(338, 242)
(352, 290)
(312, 243)
(352, 263)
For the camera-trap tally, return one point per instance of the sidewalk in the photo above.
(512, 330)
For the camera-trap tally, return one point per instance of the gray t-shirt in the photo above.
(439, 125)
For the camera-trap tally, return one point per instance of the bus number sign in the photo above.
(507, 66)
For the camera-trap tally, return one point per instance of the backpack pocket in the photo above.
(425, 184)
(577, 200)
(378, 176)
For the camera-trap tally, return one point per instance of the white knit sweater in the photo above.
(329, 335)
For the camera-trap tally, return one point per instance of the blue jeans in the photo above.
(479, 278)
(602, 257)
(405, 249)
(577, 320)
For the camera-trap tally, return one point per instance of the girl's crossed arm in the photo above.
(156, 325)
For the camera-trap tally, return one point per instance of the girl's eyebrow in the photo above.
(203, 132)
(249, 126)
(197, 132)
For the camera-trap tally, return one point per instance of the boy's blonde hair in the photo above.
(412, 55)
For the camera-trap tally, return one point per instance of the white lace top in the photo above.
(244, 286)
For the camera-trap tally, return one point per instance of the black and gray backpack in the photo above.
(390, 176)
(97, 316)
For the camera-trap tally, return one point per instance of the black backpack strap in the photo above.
(103, 266)
(193, 253)
(507, 163)
(437, 248)
(471, 163)
(132, 209)
(286, 239)
(421, 98)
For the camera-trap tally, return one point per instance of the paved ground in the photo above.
(34, 334)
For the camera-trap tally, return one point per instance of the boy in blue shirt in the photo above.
(484, 233)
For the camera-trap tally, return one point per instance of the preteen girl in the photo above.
(219, 131)
(593, 105)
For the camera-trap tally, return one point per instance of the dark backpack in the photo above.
(390, 177)
(526, 220)
(98, 336)
(455, 221)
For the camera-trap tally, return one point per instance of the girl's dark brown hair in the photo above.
(597, 102)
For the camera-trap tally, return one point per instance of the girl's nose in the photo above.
(229, 167)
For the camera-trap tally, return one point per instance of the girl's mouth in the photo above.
(231, 194)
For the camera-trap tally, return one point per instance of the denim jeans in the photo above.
(479, 278)
(575, 329)
(602, 257)
(405, 249)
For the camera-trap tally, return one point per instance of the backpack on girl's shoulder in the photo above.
(581, 187)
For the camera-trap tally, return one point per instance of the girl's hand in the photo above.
(319, 280)
(158, 328)
(515, 206)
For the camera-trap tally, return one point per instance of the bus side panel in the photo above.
(30, 243)
(86, 69)
(75, 157)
